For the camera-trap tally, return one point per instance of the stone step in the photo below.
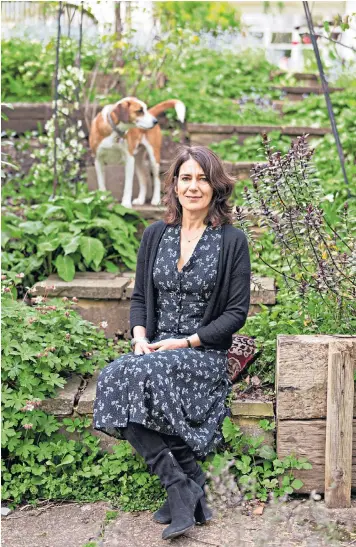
(115, 176)
(204, 134)
(298, 93)
(80, 394)
(106, 297)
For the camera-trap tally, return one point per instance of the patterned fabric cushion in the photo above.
(242, 353)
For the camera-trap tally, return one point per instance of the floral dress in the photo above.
(182, 391)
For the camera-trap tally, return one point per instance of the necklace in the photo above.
(192, 239)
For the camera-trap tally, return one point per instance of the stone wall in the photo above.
(77, 400)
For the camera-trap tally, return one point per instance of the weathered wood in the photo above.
(307, 438)
(340, 399)
(301, 376)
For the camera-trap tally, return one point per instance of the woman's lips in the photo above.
(195, 198)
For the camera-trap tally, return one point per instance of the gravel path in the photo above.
(297, 523)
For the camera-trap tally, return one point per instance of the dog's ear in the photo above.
(123, 112)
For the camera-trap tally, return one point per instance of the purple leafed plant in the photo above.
(317, 259)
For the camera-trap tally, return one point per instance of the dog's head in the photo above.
(133, 112)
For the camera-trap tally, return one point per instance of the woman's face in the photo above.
(193, 189)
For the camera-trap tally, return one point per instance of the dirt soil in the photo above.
(298, 523)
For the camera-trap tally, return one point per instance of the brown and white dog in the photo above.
(124, 132)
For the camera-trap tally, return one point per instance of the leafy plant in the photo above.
(204, 17)
(64, 235)
(43, 346)
(254, 465)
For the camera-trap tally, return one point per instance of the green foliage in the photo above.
(65, 235)
(197, 16)
(42, 346)
(28, 67)
(210, 82)
(255, 466)
(294, 316)
(251, 150)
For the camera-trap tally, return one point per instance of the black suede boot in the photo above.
(183, 493)
(185, 457)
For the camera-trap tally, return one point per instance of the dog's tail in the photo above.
(165, 105)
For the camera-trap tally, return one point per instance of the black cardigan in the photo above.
(228, 305)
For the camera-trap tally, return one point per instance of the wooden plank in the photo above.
(307, 438)
(301, 376)
(338, 448)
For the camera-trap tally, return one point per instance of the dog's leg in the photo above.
(100, 174)
(129, 175)
(156, 194)
(141, 175)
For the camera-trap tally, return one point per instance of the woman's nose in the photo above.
(193, 183)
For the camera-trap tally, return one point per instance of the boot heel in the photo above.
(183, 499)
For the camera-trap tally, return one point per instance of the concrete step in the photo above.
(105, 296)
(80, 395)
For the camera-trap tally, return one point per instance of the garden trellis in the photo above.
(58, 93)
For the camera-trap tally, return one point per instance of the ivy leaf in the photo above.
(92, 250)
(32, 227)
(296, 484)
(67, 459)
(110, 266)
(71, 246)
(65, 267)
(267, 452)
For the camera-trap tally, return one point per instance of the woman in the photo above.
(192, 292)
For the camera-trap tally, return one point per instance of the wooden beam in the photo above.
(340, 402)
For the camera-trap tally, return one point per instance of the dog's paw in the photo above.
(127, 204)
(138, 201)
(155, 201)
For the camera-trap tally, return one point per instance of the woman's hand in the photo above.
(168, 343)
(142, 347)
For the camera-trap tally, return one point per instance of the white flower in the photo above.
(73, 143)
(103, 324)
(81, 134)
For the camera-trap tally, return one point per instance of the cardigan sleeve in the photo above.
(138, 311)
(235, 314)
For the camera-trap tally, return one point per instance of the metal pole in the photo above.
(324, 85)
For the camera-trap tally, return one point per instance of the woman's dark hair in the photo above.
(220, 211)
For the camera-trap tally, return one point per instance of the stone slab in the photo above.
(249, 426)
(63, 403)
(84, 286)
(115, 312)
(252, 408)
(87, 397)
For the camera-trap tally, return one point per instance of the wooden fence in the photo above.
(316, 411)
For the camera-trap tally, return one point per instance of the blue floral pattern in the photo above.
(182, 391)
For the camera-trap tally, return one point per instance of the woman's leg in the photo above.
(186, 459)
(183, 493)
